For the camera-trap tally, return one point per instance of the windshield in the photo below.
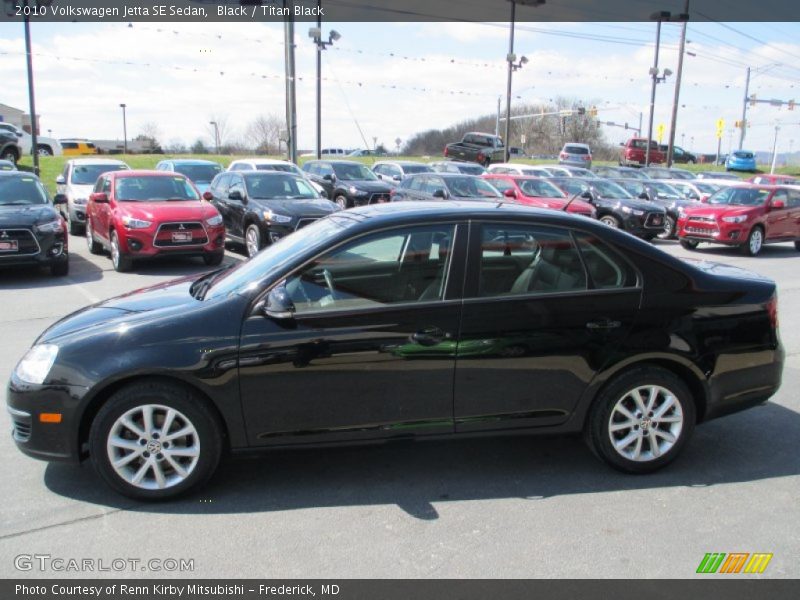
(742, 154)
(263, 186)
(199, 173)
(88, 174)
(609, 189)
(286, 168)
(21, 191)
(665, 190)
(471, 169)
(539, 188)
(411, 169)
(471, 187)
(353, 172)
(248, 274)
(734, 196)
(154, 188)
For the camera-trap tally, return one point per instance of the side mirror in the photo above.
(778, 204)
(99, 197)
(587, 195)
(236, 195)
(278, 304)
(510, 193)
(208, 196)
(323, 194)
(396, 178)
(329, 177)
(644, 196)
(440, 193)
(59, 199)
(60, 180)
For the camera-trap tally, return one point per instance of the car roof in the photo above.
(96, 161)
(402, 163)
(190, 161)
(18, 174)
(263, 161)
(145, 173)
(338, 162)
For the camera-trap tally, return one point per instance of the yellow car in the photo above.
(78, 147)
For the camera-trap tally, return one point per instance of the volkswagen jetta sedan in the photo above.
(350, 329)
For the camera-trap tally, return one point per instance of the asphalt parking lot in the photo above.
(514, 507)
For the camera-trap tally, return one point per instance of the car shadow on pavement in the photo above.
(751, 446)
(80, 271)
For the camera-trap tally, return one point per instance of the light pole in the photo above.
(511, 58)
(123, 106)
(774, 150)
(315, 33)
(674, 118)
(216, 134)
(659, 17)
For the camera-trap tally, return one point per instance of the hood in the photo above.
(169, 297)
(724, 270)
(26, 216)
(299, 207)
(367, 185)
(710, 210)
(177, 210)
(75, 190)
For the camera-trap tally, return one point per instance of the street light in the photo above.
(315, 33)
(513, 65)
(659, 17)
(216, 134)
(124, 129)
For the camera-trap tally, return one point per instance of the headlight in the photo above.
(79, 201)
(49, 227)
(632, 211)
(736, 219)
(274, 217)
(214, 221)
(356, 192)
(132, 223)
(36, 364)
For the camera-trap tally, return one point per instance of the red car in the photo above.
(534, 191)
(774, 179)
(747, 216)
(145, 214)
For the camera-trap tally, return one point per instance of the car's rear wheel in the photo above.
(155, 440)
(611, 221)
(94, 247)
(689, 244)
(642, 420)
(45, 151)
(669, 229)
(121, 262)
(252, 240)
(754, 243)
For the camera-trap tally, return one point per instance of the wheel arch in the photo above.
(101, 396)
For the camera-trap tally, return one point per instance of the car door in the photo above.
(219, 191)
(369, 349)
(102, 210)
(778, 221)
(544, 309)
(236, 206)
(794, 214)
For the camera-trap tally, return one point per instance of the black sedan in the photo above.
(260, 207)
(445, 186)
(32, 231)
(350, 331)
(616, 207)
(662, 194)
(347, 182)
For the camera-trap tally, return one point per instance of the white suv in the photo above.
(77, 181)
(47, 146)
(576, 155)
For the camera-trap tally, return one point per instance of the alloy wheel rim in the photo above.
(645, 423)
(669, 224)
(252, 241)
(153, 447)
(89, 233)
(755, 241)
(114, 249)
(341, 202)
(609, 221)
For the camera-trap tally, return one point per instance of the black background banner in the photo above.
(392, 10)
(388, 589)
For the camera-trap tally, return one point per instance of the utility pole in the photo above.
(744, 108)
(774, 150)
(510, 59)
(674, 120)
(497, 121)
(654, 76)
(291, 103)
(31, 98)
(319, 84)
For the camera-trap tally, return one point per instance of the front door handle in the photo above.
(429, 337)
(603, 324)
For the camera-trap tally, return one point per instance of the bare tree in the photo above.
(264, 133)
(150, 133)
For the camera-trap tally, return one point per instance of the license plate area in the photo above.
(181, 236)
(9, 246)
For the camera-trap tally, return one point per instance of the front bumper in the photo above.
(730, 234)
(649, 224)
(45, 440)
(142, 243)
(49, 249)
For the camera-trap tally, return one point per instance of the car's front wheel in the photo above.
(754, 243)
(611, 221)
(669, 229)
(341, 201)
(642, 420)
(252, 240)
(120, 261)
(155, 440)
(688, 244)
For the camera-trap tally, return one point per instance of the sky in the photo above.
(387, 81)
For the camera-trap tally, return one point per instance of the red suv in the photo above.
(144, 214)
(747, 216)
(538, 192)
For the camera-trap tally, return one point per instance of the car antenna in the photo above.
(566, 206)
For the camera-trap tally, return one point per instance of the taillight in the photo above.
(563, 155)
(772, 311)
(587, 157)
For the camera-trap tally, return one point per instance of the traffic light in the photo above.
(791, 104)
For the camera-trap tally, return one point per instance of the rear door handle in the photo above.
(603, 324)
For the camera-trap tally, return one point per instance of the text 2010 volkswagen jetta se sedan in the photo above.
(417, 319)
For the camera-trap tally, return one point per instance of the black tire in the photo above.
(689, 244)
(10, 155)
(611, 221)
(45, 150)
(253, 240)
(213, 259)
(209, 437)
(797, 246)
(342, 202)
(649, 237)
(60, 269)
(754, 243)
(94, 247)
(617, 393)
(76, 228)
(669, 229)
(486, 163)
(122, 263)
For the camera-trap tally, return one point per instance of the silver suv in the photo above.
(577, 155)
